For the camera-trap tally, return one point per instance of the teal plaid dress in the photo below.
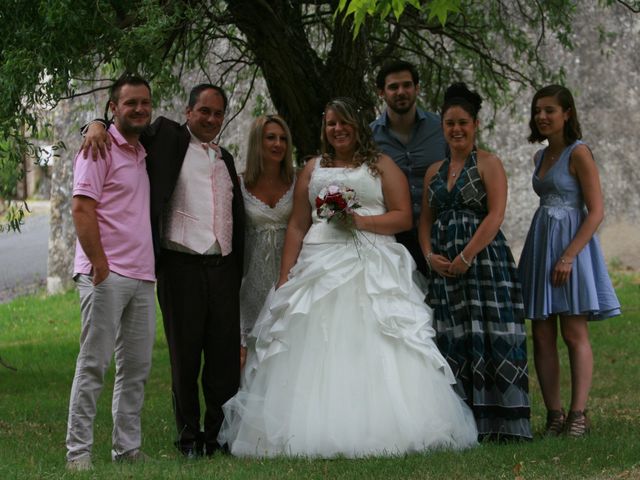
(479, 317)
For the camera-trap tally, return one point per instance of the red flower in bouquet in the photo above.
(336, 201)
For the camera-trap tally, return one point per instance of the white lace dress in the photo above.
(265, 228)
(344, 360)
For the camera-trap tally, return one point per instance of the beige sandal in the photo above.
(577, 424)
(555, 423)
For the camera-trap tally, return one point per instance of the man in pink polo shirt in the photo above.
(114, 271)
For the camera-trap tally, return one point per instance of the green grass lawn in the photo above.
(39, 336)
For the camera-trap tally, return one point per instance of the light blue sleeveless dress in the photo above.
(562, 210)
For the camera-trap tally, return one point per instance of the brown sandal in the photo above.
(577, 424)
(555, 423)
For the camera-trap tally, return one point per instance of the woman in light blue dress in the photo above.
(562, 269)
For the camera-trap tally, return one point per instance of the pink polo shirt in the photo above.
(120, 185)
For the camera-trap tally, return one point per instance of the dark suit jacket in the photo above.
(166, 143)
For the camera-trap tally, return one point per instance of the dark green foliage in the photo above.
(306, 53)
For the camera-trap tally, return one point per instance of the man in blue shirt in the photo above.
(409, 135)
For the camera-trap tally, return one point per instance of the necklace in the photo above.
(553, 156)
(453, 172)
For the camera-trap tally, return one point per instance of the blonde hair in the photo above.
(366, 150)
(255, 158)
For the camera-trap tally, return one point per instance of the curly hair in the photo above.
(366, 149)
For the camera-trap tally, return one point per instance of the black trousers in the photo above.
(410, 240)
(199, 300)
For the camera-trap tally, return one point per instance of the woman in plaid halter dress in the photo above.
(473, 286)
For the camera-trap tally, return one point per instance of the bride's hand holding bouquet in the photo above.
(338, 203)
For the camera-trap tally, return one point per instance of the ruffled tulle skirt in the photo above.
(343, 362)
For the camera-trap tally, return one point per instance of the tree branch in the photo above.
(87, 92)
(629, 6)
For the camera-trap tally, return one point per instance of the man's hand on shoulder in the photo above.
(96, 140)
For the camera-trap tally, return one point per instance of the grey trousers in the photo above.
(118, 319)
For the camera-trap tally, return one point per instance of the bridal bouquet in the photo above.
(336, 201)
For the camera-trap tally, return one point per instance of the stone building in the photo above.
(605, 79)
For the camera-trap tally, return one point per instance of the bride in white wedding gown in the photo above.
(343, 359)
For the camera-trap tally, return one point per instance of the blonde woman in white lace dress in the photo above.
(267, 188)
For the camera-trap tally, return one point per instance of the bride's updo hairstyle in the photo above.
(349, 112)
(459, 95)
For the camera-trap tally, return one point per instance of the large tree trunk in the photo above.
(299, 83)
(347, 63)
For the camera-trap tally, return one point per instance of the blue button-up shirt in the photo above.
(426, 146)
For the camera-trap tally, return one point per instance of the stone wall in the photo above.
(67, 119)
(605, 80)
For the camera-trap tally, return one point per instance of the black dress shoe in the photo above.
(190, 450)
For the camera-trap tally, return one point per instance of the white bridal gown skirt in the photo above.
(345, 363)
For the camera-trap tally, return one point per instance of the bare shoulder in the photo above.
(490, 167)
(431, 171)
(433, 168)
(309, 166)
(384, 163)
(304, 173)
(391, 175)
(582, 153)
(488, 159)
(581, 162)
